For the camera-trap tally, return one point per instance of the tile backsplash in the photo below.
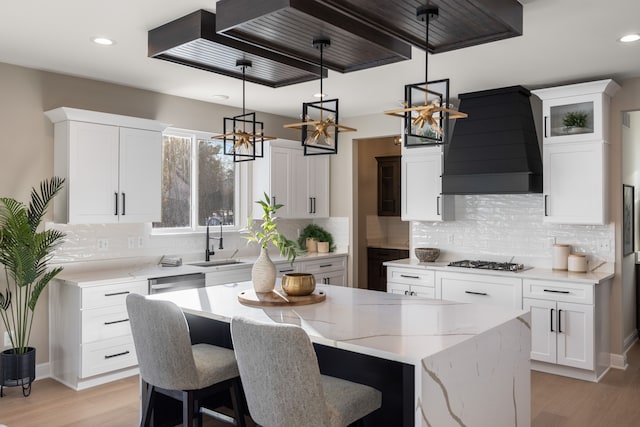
(498, 227)
(100, 242)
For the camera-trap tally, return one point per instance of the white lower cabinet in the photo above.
(411, 281)
(327, 270)
(569, 327)
(479, 289)
(89, 333)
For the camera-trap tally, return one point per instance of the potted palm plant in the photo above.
(25, 253)
(263, 273)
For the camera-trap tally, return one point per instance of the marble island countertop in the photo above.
(470, 362)
(593, 277)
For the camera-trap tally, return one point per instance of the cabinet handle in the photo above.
(406, 276)
(117, 293)
(113, 322)
(406, 292)
(310, 205)
(288, 270)
(551, 320)
(438, 205)
(273, 200)
(314, 204)
(476, 293)
(554, 291)
(109, 356)
(124, 200)
(412, 293)
(116, 197)
(559, 321)
(545, 126)
(325, 265)
(546, 204)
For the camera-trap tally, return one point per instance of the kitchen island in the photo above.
(437, 363)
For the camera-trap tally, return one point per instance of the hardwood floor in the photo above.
(555, 402)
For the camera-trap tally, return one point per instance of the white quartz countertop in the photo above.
(94, 274)
(533, 273)
(394, 327)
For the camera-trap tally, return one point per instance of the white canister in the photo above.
(577, 263)
(560, 256)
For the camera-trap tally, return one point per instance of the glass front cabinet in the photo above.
(576, 112)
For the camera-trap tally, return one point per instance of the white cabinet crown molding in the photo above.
(606, 86)
(75, 114)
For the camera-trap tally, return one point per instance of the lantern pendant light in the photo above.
(320, 126)
(242, 135)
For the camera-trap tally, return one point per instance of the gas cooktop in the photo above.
(489, 265)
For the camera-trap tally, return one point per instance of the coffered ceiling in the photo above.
(563, 42)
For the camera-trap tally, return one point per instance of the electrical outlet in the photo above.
(451, 238)
(7, 339)
(605, 245)
(551, 241)
(103, 244)
(140, 242)
(131, 242)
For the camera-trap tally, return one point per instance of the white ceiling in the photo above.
(564, 41)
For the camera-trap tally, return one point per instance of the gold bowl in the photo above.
(298, 284)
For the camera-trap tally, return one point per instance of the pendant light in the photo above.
(426, 105)
(320, 126)
(242, 135)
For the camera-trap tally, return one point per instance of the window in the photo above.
(198, 183)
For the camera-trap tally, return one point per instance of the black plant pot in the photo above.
(17, 370)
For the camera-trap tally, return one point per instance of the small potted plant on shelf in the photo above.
(315, 237)
(263, 273)
(25, 253)
(575, 121)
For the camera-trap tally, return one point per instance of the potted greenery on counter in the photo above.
(25, 253)
(314, 232)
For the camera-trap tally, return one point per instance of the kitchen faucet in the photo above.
(208, 252)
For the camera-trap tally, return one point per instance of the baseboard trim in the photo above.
(619, 361)
(43, 371)
(630, 341)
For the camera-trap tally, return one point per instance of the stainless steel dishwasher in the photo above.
(176, 283)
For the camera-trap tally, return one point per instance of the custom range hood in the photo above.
(495, 150)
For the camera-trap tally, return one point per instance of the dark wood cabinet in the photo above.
(376, 272)
(389, 185)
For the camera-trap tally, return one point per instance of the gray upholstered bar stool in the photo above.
(282, 381)
(170, 365)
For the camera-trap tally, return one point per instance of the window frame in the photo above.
(241, 188)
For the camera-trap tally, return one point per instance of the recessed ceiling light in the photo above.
(219, 97)
(103, 41)
(628, 38)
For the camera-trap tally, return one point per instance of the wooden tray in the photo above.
(278, 298)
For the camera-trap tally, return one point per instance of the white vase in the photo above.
(263, 273)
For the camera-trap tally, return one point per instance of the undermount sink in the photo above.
(216, 263)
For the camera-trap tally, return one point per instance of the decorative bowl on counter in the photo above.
(427, 254)
(298, 284)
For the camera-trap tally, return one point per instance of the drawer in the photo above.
(411, 276)
(229, 276)
(285, 268)
(320, 266)
(107, 355)
(559, 291)
(104, 323)
(489, 290)
(113, 294)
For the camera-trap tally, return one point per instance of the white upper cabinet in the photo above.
(421, 186)
(575, 151)
(577, 113)
(300, 183)
(112, 165)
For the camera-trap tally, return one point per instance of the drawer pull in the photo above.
(406, 292)
(406, 276)
(325, 265)
(475, 293)
(117, 293)
(113, 322)
(288, 270)
(551, 320)
(554, 291)
(109, 356)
